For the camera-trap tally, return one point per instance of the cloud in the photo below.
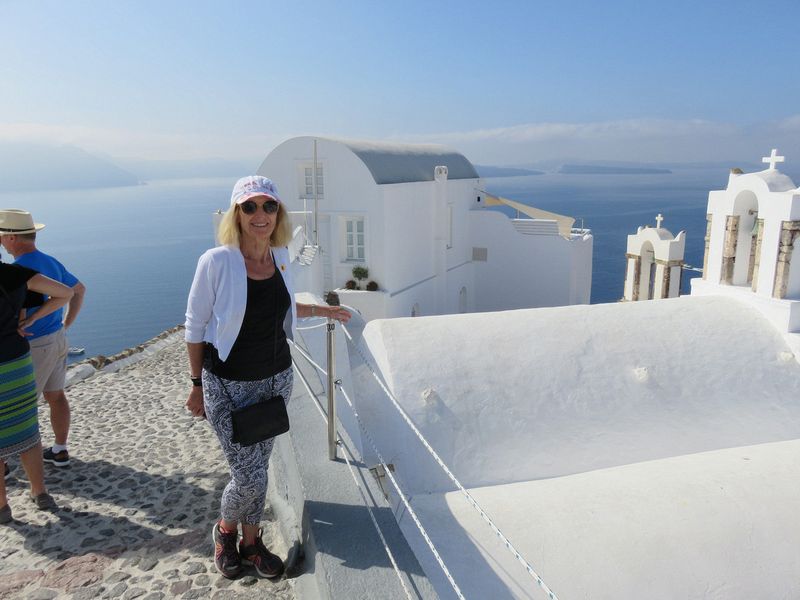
(790, 123)
(608, 130)
(645, 140)
(142, 144)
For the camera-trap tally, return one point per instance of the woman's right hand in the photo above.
(195, 402)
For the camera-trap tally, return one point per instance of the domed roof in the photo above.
(775, 180)
(403, 163)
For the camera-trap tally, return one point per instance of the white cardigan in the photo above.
(217, 299)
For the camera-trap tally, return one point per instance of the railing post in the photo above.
(331, 330)
(305, 220)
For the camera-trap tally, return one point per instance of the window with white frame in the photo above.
(355, 247)
(308, 181)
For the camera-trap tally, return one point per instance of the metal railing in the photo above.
(330, 374)
(331, 357)
(333, 442)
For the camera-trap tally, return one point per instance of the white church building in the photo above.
(415, 216)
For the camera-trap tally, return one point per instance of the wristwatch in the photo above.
(197, 381)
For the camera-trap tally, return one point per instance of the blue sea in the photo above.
(136, 248)
(614, 206)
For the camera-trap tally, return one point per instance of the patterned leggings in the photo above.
(245, 495)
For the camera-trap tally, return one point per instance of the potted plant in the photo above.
(360, 273)
(350, 284)
(372, 286)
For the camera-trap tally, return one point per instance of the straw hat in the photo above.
(14, 221)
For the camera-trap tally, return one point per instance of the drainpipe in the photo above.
(440, 236)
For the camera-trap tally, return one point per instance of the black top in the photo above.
(13, 297)
(260, 349)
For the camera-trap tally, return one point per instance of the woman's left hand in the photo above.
(23, 323)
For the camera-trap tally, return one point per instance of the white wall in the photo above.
(524, 271)
(350, 190)
(457, 278)
(461, 194)
(717, 208)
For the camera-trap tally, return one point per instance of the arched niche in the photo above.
(462, 300)
(745, 211)
(648, 272)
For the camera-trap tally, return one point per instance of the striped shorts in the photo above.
(19, 416)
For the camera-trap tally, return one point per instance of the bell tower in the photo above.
(655, 259)
(751, 246)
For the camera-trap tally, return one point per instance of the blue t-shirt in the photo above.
(50, 267)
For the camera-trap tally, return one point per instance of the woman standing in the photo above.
(241, 310)
(19, 422)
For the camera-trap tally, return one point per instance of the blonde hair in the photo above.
(229, 233)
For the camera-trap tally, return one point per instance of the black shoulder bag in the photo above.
(267, 417)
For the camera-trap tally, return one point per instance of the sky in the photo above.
(506, 83)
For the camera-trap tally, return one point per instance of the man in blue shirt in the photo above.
(48, 340)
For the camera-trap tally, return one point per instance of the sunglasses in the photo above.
(249, 207)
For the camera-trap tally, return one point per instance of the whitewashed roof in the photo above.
(642, 441)
(403, 163)
(775, 180)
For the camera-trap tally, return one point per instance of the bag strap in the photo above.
(277, 322)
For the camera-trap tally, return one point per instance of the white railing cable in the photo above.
(509, 546)
(307, 356)
(403, 498)
(347, 450)
(310, 392)
(323, 324)
(374, 520)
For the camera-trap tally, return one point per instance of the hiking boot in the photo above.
(5, 515)
(226, 558)
(266, 563)
(59, 459)
(44, 501)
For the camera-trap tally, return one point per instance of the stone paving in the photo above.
(136, 504)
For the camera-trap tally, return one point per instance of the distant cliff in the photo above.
(610, 170)
(148, 170)
(488, 171)
(27, 166)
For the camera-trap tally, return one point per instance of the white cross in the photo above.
(773, 158)
(659, 219)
